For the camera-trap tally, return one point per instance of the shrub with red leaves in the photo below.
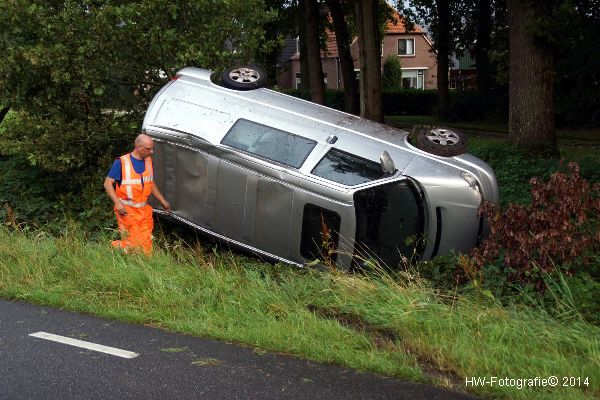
(558, 230)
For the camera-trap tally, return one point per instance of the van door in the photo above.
(253, 209)
(389, 223)
(186, 178)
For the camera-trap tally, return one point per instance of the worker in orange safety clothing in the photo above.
(129, 183)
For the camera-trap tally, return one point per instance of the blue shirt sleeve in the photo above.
(115, 171)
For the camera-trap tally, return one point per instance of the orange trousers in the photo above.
(136, 229)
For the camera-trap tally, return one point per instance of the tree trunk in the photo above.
(482, 49)
(531, 67)
(371, 106)
(269, 59)
(313, 51)
(304, 75)
(342, 38)
(443, 50)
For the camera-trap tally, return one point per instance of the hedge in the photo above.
(464, 105)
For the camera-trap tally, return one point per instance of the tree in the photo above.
(392, 74)
(482, 46)
(273, 41)
(444, 19)
(342, 37)
(313, 51)
(443, 63)
(64, 61)
(66, 66)
(577, 56)
(369, 41)
(531, 100)
(304, 67)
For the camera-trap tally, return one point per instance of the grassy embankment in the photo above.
(399, 327)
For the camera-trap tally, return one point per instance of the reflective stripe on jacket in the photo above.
(131, 191)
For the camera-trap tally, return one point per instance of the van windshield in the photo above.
(270, 143)
(389, 223)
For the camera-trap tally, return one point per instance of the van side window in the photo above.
(270, 143)
(347, 169)
(320, 233)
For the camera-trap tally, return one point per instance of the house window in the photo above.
(406, 47)
(413, 79)
(452, 83)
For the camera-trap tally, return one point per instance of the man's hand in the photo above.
(110, 190)
(158, 195)
(121, 210)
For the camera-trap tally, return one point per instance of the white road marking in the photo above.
(86, 345)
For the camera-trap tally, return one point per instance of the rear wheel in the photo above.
(441, 141)
(243, 78)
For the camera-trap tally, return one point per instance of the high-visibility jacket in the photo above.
(137, 224)
(131, 191)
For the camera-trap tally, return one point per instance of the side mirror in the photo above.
(387, 164)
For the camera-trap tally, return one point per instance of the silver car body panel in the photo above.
(261, 205)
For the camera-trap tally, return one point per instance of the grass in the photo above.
(396, 326)
(514, 169)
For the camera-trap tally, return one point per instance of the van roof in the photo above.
(318, 114)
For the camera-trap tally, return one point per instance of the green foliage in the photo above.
(575, 29)
(79, 75)
(65, 55)
(514, 168)
(392, 74)
(33, 195)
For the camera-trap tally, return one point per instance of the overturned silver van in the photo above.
(295, 181)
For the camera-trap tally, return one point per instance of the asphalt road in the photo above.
(165, 365)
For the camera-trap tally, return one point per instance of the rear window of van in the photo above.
(270, 143)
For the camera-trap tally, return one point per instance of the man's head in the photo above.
(144, 145)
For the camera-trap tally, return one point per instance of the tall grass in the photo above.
(393, 325)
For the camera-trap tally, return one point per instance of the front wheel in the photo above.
(441, 141)
(243, 78)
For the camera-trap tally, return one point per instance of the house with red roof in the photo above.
(413, 49)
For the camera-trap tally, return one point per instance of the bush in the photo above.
(333, 98)
(556, 234)
(409, 102)
(391, 78)
(395, 102)
(469, 105)
(61, 197)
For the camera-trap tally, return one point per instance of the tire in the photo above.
(243, 78)
(441, 141)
